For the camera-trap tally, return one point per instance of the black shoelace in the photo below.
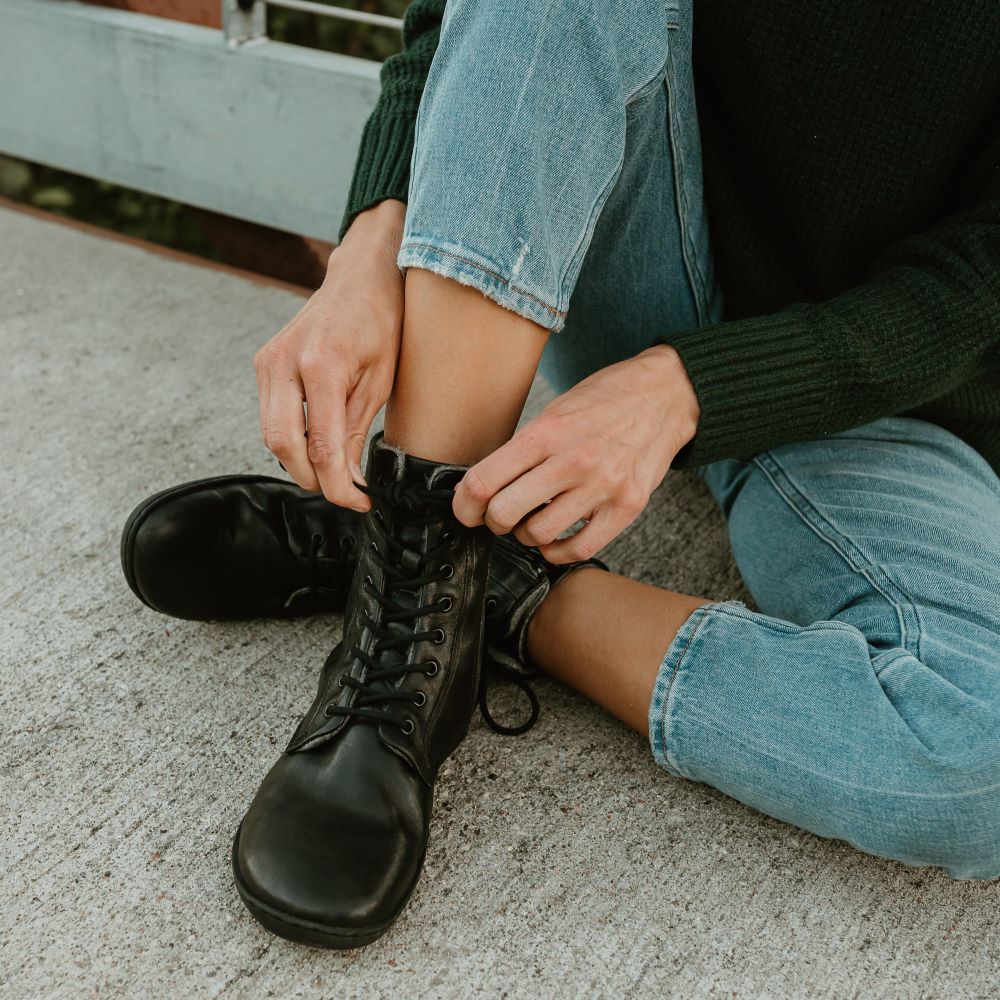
(494, 673)
(395, 630)
(416, 506)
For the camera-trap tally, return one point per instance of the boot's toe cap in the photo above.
(166, 546)
(346, 862)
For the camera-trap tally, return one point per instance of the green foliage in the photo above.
(122, 209)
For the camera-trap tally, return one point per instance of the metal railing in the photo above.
(245, 21)
(257, 129)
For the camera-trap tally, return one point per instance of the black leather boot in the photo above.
(520, 579)
(232, 547)
(239, 547)
(334, 840)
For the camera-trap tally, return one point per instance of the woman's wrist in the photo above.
(679, 394)
(377, 231)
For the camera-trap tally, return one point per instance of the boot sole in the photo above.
(139, 515)
(308, 932)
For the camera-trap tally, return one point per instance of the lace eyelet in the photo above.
(431, 667)
(318, 538)
(341, 679)
(328, 711)
(448, 570)
(491, 605)
(445, 604)
(437, 636)
(369, 581)
(408, 727)
(422, 699)
(373, 547)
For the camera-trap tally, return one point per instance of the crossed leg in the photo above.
(863, 701)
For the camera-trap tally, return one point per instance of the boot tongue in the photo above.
(410, 562)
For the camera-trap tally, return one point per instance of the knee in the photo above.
(946, 759)
(561, 40)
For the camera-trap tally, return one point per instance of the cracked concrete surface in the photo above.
(562, 864)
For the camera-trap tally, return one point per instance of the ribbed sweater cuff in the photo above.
(760, 382)
(382, 169)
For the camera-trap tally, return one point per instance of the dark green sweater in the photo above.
(852, 174)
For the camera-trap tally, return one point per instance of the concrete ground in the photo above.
(562, 863)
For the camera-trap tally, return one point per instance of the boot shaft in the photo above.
(410, 658)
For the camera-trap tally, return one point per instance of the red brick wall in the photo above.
(195, 11)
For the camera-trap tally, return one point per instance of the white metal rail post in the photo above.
(231, 121)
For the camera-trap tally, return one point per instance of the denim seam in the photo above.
(688, 251)
(839, 542)
(665, 711)
(777, 625)
(586, 236)
(408, 245)
(890, 657)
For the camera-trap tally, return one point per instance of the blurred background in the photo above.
(208, 234)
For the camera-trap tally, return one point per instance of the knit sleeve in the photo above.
(925, 321)
(382, 169)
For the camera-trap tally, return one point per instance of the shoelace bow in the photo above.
(416, 507)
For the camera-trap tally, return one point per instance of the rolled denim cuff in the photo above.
(736, 692)
(680, 656)
(468, 267)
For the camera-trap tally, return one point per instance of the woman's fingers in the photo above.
(546, 525)
(263, 393)
(328, 458)
(485, 479)
(363, 404)
(285, 433)
(527, 493)
(605, 524)
(326, 400)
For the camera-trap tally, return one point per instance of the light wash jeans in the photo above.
(557, 169)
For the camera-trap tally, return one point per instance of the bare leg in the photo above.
(465, 368)
(605, 636)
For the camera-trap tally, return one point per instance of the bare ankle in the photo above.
(542, 634)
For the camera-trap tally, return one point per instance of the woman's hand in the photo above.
(338, 356)
(595, 453)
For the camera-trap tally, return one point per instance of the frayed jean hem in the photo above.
(469, 268)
